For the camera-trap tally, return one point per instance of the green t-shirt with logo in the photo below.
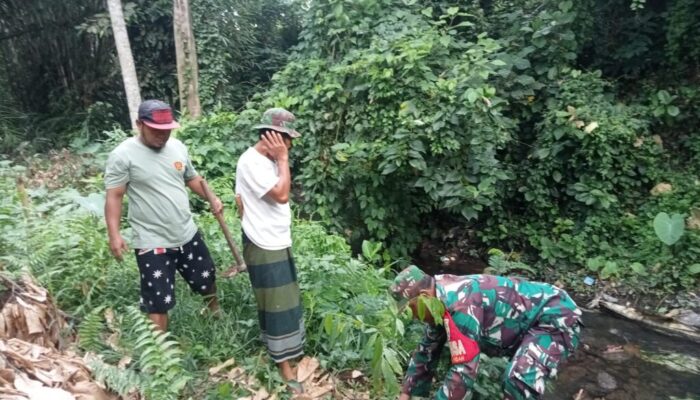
(159, 207)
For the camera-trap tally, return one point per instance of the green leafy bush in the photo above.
(408, 125)
(414, 118)
(347, 306)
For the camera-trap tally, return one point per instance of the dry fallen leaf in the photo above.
(321, 379)
(262, 394)
(7, 377)
(306, 367)
(37, 391)
(225, 364)
(235, 373)
(86, 390)
(126, 360)
(28, 313)
(109, 318)
(318, 392)
(33, 318)
(113, 341)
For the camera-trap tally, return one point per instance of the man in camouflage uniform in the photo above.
(537, 323)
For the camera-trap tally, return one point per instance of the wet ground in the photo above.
(622, 359)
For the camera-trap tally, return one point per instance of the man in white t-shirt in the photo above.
(262, 187)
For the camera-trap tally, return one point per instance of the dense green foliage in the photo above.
(564, 133)
(60, 79)
(483, 114)
(421, 115)
(351, 320)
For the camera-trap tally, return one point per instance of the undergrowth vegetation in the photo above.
(352, 322)
(421, 117)
(564, 133)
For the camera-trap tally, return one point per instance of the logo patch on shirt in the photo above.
(462, 348)
(178, 165)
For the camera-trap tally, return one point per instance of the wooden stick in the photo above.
(240, 264)
(662, 326)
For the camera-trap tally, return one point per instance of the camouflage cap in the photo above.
(409, 283)
(280, 120)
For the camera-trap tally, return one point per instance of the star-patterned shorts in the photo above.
(157, 268)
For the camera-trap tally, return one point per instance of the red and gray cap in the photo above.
(279, 120)
(157, 115)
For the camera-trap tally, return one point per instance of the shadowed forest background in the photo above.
(558, 140)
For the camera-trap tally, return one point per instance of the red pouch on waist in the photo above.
(462, 348)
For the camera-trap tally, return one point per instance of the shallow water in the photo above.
(622, 359)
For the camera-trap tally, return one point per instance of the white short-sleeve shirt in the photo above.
(266, 222)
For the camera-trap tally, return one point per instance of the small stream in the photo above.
(618, 359)
(621, 359)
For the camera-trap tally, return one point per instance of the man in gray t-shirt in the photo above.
(153, 169)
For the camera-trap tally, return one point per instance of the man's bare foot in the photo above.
(295, 387)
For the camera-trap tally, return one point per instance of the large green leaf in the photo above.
(432, 305)
(669, 229)
(638, 268)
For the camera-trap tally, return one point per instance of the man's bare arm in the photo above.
(278, 150)
(280, 192)
(113, 213)
(195, 185)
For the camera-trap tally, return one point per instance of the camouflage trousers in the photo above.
(537, 359)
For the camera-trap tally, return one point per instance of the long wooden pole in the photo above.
(240, 263)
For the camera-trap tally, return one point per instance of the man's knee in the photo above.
(514, 389)
(533, 364)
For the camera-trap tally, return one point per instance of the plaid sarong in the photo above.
(273, 276)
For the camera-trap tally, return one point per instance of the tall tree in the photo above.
(126, 59)
(186, 56)
(241, 44)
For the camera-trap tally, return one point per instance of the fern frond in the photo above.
(122, 381)
(90, 331)
(159, 356)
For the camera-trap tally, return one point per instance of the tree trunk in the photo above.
(126, 59)
(186, 55)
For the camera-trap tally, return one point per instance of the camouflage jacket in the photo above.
(494, 312)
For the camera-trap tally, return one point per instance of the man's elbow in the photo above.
(278, 195)
(282, 198)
